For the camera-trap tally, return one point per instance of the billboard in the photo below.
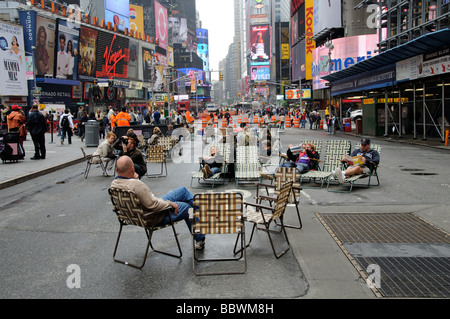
(347, 52)
(137, 18)
(113, 54)
(161, 27)
(133, 61)
(45, 46)
(327, 15)
(295, 94)
(177, 28)
(260, 45)
(203, 48)
(121, 7)
(260, 73)
(12, 58)
(67, 50)
(310, 44)
(122, 21)
(87, 65)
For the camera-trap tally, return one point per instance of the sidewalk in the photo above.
(58, 157)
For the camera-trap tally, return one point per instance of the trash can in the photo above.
(347, 124)
(358, 126)
(91, 135)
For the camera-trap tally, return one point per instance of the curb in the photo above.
(24, 178)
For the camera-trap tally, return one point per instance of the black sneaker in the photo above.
(199, 245)
(35, 158)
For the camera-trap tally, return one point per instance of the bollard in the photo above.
(446, 137)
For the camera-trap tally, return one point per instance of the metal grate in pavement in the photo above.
(383, 238)
(383, 228)
(411, 276)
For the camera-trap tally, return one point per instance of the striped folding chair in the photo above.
(129, 211)
(283, 175)
(157, 154)
(265, 215)
(219, 214)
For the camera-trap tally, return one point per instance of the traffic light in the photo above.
(220, 76)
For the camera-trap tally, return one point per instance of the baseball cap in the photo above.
(15, 107)
(365, 141)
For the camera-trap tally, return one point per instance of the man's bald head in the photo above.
(125, 167)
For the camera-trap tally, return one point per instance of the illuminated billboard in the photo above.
(113, 54)
(260, 45)
(260, 73)
(202, 47)
(295, 94)
(347, 52)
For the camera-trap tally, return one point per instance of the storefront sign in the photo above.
(112, 55)
(370, 80)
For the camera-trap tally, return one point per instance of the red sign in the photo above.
(113, 55)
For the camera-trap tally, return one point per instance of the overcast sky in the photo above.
(218, 17)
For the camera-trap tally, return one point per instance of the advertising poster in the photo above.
(88, 54)
(13, 81)
(260, 45)
(178, 29)
(67, 53)
(148, 61)
(137, 18)
(161, 27)
(45, 46)
(113, 54)
(133, 62)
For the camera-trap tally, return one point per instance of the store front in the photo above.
(407, 93)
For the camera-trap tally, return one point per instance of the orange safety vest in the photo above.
(112, 119)
(123, 119)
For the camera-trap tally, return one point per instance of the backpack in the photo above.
(65, 122)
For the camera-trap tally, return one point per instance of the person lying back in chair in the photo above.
(304, 161)
(212, 164)
(369, 159)
(179, 199)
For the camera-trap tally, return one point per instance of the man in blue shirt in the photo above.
(370, 158)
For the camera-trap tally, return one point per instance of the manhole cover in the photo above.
(423, 174)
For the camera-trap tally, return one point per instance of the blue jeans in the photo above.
(214, 170)
(184, 200)
(301, 167)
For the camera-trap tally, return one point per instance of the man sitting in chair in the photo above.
(129, 149)
(369, 158)
(180, 199)
(212, 164)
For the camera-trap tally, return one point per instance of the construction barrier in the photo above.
(239, 119)
(224, 122)
(287, 122)
(255, 119)
(273, 119)
(321, 125)
(296, 122)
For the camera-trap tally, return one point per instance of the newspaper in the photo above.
(355, 160)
